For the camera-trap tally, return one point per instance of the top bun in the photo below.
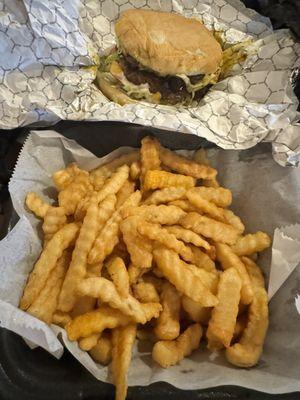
(167, 43)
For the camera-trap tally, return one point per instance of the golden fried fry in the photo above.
(37, 205)
(170, 352)
(105, 290)
(229, 259)
(224, 314)
(216, 230)
(233, 220)
(161, 235)
(64, 177)
(156, 282)
(205, 206)
(100, 174)
(44, 306)
(77, 269)
(167, 326)
(149, 156)
(202, 260)
(240, 326)
(119, 275)
(163, 179)
(135, 170)
(54, 219)
(101, 352)
(188, 236)
(69, 197)
(255, 273)
(184, 277)
(145, 292)
(139, 248)
(123, 339)
(251, 243)
(221, 197)
(166, 195)
(247, 351)
(61, 319)
(200, 157)
(185, 166)
(96, 321)
(164, 215)
(126, 190)
(135, 273)
(113, 184)
(46, 263)
(82, 206)
(195, 311)
(89, 342)
(106, 210)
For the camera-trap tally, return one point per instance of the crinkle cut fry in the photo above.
(101, 353)
(251, 243)
(149, 156)
(162, 214)
(46, 262)
(188, 236)
(166, 195)
(113, 184)
(36, 204)
(162, 179)
(123, 339)
(220, 196)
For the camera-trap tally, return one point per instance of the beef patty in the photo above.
(171, 88)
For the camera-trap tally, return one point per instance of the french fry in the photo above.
(240, 326)
(255, 273)
(96, 321)
(77, 269)
(61, 319)
(119, 275)
(89, 342)
(229, 259)
(202, 260)
(106, 291)
(161, 235)
(37, 205)
(164, 215)
(65, 177)
(224, 314)
(69, 197)
(167, 325)
(126, 190)
(233, 220)
(208, 227)
(185, 166)
(135, 273)
(135, 170)
(145, 292)
(247, 351)
(101, 353)
(100, 174)
(44, 306)
(221, 197)
(166, 195)
(149, 156)
(195, 311)
(162, 179)
(251, 243)
(82, 206)
(83, 305)
(123, 339)
(113, 184)
(156, 282)
(54, 219)
(46, 263)
(184, 277)
(205, 206)
(139, 248)
(170, 352)
(106, 210)
(188, 236)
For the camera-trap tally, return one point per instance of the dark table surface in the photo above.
(35, 375)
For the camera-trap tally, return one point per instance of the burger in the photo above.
(161, 58)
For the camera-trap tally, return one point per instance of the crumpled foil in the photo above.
(50, 52)
(247, 174)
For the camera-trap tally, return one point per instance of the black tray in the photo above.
(34, 374)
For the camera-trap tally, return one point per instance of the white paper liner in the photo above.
(266, 196)
(50, 52)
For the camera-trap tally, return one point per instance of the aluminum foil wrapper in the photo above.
(50, 52)
(247, 174)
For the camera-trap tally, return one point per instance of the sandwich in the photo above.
(161, 58)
